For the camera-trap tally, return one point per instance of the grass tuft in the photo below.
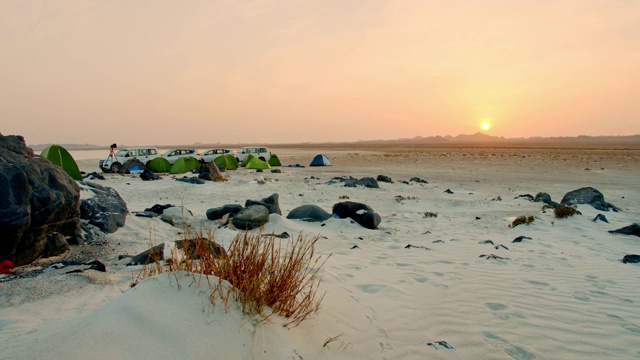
(526, 220)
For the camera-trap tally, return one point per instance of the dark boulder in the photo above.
(105, 209)
(251, 217)
(384, 178)
(448, 191)
(367, 182)
(311, 213)
(360, 213)
(633, 229)
(210, 172)
(93, 176)
(601, 218)
(219, 212)
(38, 200)
(587, 195)
(631, 259)
(528, 197)
(271, 203)
(543, 197)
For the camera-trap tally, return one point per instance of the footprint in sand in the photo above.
(582, 296)
(420, 278)
(514, 351)
(498, 310)
(631, 327)
(372, 288)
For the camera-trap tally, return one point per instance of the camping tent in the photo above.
(320, 160)
(184, 164)
(133, 166)
(159, 164)
(274, 161)
(61, 157)
(246, 160)
(228, 161)
(256, 163)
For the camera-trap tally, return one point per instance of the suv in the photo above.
(261, 153)
(175, 154)
(113, 162)
(210, 155)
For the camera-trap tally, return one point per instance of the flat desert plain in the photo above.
(562, 294)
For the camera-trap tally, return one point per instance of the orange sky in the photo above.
(269, 71)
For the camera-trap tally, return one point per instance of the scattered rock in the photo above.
(633, 229)
(448, 191)
(409, 246)
(283, 235)
(276, 171)
(492, 256)
(194, 249)
(77, 266)
(632, 259)
(219, 212)
(311, 213)
(158, 209)
(587, 195)
(251, 217)
(444, 344)
(520, 238)
(360, 213)
(271, 203)
(418, 180)
(105, 209)
(543, 197)
(525, 196)
(385, 179)
(368, 182)
(486, 242)
(601, 218)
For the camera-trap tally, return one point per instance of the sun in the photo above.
(485, 125)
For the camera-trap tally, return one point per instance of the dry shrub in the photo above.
(265, 274)
(564, 211)
(522, 220)
(429, 214)
(400, 198)
(262, 273)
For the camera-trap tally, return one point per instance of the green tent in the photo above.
(274, 161)
(256, 163)
(61, 157)
(159, 164)
(228, 161)
(246, 160)
(185, 164)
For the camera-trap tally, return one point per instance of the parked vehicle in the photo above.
(175, 154)
(210, 155)
(259, 152)
(113, 162)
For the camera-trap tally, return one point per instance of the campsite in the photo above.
(439, 276)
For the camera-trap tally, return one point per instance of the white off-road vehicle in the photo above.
(260, 152)
(113, 162)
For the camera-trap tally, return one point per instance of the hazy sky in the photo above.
(270, 71)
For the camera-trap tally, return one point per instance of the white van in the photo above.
(260, 152)
(113, 162)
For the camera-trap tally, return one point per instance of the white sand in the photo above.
(564, 294)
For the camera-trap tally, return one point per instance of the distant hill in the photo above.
(477, 139)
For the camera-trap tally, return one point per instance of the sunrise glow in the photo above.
(485, 125)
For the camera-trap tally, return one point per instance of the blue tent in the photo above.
(320, 160)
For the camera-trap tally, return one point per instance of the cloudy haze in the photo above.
(178, 72)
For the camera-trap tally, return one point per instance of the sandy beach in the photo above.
(562, 294)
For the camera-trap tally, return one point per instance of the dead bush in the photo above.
(429, 214)
(526, 220)
(564, 211)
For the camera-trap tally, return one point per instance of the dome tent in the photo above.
(274, 160)
(160, 164)
(320, 160)
(184, 164)
(246, 160)
(61, 157)
(256, 163)
(228, 161)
